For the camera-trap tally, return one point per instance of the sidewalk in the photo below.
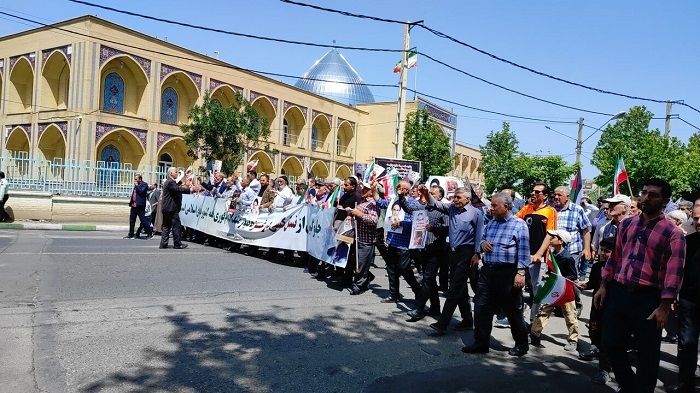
(39, 225)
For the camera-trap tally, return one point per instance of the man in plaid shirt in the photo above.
(505, 252)
(365, 215)
(640, 281)
(573, 219)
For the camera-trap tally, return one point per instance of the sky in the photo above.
(639, 48)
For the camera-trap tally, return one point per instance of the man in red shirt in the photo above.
(641, 279)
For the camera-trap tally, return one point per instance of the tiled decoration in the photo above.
(46, 53)
(113, 96)
(103, 129)
(166, 70)
(169, 106)
(107, 53)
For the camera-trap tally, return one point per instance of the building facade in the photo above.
(87, 93)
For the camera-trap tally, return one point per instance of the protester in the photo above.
(137, 208)
(505, 253)
(572, 218)
(171, 206)
(4, 196)
(365, 215)
(640, 281)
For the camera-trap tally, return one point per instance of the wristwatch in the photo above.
(521, 272)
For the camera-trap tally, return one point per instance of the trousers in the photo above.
(458, 292)
(171, 221)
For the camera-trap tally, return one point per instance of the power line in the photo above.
(696, 127)
(491, 55)
(199, 27)
(230, 66)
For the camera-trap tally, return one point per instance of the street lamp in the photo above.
(617, 116)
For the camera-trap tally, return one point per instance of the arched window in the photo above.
(113, 98)
(314, 137)
(164, 162)
(285, 132)
(169, 106)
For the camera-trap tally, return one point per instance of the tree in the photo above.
(646, 153)
(500, 159)
(224, 133)
(549, 169)
(425, 141)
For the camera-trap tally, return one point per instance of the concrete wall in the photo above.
(25, 205)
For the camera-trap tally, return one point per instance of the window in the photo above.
(113, 98)
(285, 132)
(169, 106)
(164, 162)
(314, 137)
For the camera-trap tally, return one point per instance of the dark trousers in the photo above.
(432, 256)
(171, 221)
(365, 257)
(399, 264)
(689, 330)
(3, 214)
(625, 313)
(496, 292)
(458, 293)
(596, 333)
(139, 211)
(380, 246)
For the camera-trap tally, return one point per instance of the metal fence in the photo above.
(74, 177)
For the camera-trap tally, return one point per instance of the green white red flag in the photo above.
(576, 188)
(556, 290)
(620, 176)
(330, 202)
(412, 62)
(372, 172)
(390, 182)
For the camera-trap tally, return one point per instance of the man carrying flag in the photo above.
(620, 177)
(558, 290)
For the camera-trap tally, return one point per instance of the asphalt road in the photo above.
(91, 312)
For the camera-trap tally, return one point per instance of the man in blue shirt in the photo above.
(398, 262)
(466, 226)
(506, 255)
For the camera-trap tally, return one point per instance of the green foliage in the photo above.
(500, 159)
(646, 153)
(550, 169)
(425, 141)
(218, 133)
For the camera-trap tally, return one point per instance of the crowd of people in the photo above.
(639, 256)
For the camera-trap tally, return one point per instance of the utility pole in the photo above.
(668, 118)
(579, 142)
(401, 103)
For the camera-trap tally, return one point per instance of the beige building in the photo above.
(87, 93)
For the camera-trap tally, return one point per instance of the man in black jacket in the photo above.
(137, 203)
(689, 310)
(172, 204)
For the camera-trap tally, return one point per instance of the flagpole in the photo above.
(629, 185)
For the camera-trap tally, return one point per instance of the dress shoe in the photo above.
(518, 351)
(416, 315)
(355, 290)
(603, 377)
(591, 354)
(148, 237)
(180, 247)
(473, 348)
(681, 388)
(390, 299)
(464, 325)
(165, 246)
(439, 329)
(128, 237)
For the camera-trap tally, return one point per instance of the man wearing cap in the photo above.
(618, 209)
(573, 219)
(567, 267)
(640, 281)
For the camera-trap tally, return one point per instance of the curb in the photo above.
(61, 227)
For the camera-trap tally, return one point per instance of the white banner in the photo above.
(300, 227)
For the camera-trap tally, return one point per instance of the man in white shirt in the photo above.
(283, 194)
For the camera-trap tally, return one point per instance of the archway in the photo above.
(176, 151)
(344, 141)
(343, 171)
(320, 130)
(55, 81)
(178, 95)
(265, 164)
(264, 107)
(123, 84)
(21, 88)
(52, 149)
(320, 170)
(18, 148)
(293, 124)
(292, 167)
(464, 171)
(225, 95)
(124, 148)
(474, 168)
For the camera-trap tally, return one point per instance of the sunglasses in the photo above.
(536, 191)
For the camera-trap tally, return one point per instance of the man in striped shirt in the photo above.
(640, 280)
(505, 252)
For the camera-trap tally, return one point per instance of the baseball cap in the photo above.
(565, 236)
(619, 198)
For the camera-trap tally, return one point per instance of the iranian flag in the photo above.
(390, 182)
(576, 187)
(620, 176)
(556, 289)
(252, 165)
(412, 62)
(330, 202)
(372, 172)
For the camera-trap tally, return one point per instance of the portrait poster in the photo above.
(394, 216)
(420, 221)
